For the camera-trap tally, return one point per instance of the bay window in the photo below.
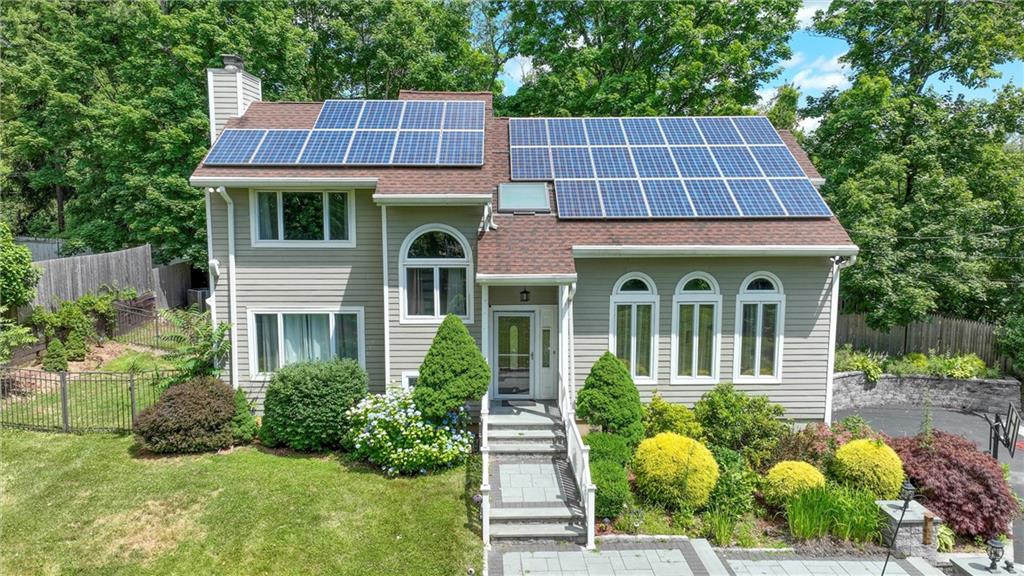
(760, 308)
(633, 325)
(435, 275)
(280, 338)
(303, 218)
(696, 317)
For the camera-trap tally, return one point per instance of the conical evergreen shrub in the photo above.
(610, 399)
(56, 358)
(453, 372)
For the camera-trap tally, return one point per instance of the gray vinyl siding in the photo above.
(252, 90)
(806, 282)
(410, 342)
(225, 97)
(270, 277)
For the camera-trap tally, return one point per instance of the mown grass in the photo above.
(88, 505)
(136, 361)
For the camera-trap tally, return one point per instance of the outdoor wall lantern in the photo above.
(524, 296)
(907, 493)
(995, 554)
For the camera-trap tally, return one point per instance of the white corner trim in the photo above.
(432, 199)
(524, 279)
(387, 294)
(833, 318)
(709, 250)
(281, 182)
(232, 288)
(212, 106)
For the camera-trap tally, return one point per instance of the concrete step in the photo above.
(524, 448)
(510, 515)
(522, 421)
(532, 531)
(521, 434)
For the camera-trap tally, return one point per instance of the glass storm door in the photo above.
(514, 342)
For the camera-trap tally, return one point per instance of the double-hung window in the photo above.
(760, 311)
(633, 324)
(279, 338)
(435, 275)
(303, 218)
(696, 319)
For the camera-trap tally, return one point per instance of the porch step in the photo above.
(521, 434)
(522, 421)
(525, 448)
(546, 530)
(509, 515)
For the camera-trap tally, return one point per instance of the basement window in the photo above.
(524, 197)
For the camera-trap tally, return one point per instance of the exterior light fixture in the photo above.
(995, 554)
(524, 296)
(907, 491)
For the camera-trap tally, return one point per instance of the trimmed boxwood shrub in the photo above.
(307, 403)
(750, 425)
(734, 492)
(610, 400)
(661, 416)
(958, 482)
(243, 424)
(76, 346)
(194, 416)
(612, 488)
(787, 479)
(869, 465)
(675, 472)
(608, 447)
(56, 357)
(453, 372)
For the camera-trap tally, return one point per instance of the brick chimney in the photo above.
(230, 91)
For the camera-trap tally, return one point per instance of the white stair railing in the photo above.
(485, 475)
(579, 458)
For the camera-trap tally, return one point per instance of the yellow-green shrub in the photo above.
(674, 471)
(870, 465)
(787, 479)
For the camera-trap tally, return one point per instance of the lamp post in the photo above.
(906, 494)
(995, 554)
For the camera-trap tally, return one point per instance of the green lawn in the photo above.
(86, 505)
(136, 361)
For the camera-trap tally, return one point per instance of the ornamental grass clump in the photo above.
(787, 479)
(390, 431)
(675, 472)
(869, 465)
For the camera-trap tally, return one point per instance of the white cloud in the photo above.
(805, 14)
(822, 73)
(809, 125)
(765, 95)
(795, 60)
(518, 67)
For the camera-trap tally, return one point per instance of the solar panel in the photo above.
(612, 162)
(371, 147)
(235, 147)
(776, 161)
(280, 147)
(339, 114)
(578, 199)
(571, 163)
(654, 163)
(326, 147)
(464, 115)
(418, 147)
(694, 162)
(755, 198)
(735, 161)
(422, 115)
(711, 198)
(459, 148)
(667, 198)
(800, 198)
(680, 131)
(604, 131)
(641, 131)
(718, 131)
(381, 114)
(756, 130)
(622, 199)
(528, 132)
(566, 132)
(532, 163)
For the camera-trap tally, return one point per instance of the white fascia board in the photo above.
(524, 279)
(432, 199)
(283, 182)
(705, 250)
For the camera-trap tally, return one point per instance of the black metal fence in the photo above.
(145, 327)
(77, 401)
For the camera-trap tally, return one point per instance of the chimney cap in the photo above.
(233, 61)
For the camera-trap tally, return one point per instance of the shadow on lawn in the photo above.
(473, 478)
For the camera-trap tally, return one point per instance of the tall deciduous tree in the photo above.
(669, 57)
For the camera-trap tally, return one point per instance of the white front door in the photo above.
(514, 369)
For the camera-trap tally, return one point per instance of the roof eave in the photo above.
(705, 250)
(281, 182)
(432, 199)
(524, 279)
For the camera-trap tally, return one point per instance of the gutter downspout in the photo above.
(231, 285)
(212, 266)
(838, 263)
(572, 347)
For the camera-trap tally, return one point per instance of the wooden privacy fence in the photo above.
(937, 333)
(172, 283)
(77, 401)
(74, 277)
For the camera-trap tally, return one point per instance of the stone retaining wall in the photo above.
(852, 390)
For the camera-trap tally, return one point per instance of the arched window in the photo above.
(435, 274)
(760, 311)
(633, 333)
(696, 329)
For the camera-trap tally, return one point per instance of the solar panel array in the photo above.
(671, 167)
(366, 133)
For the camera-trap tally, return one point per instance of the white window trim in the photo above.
(408, 375)
(679, 298)
(759, 297)
(254, 231)
(251, 320)
(618, 297)
(405, 262)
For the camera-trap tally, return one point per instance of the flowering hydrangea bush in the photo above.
(389, 431)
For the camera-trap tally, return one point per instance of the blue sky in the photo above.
(814, 66)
